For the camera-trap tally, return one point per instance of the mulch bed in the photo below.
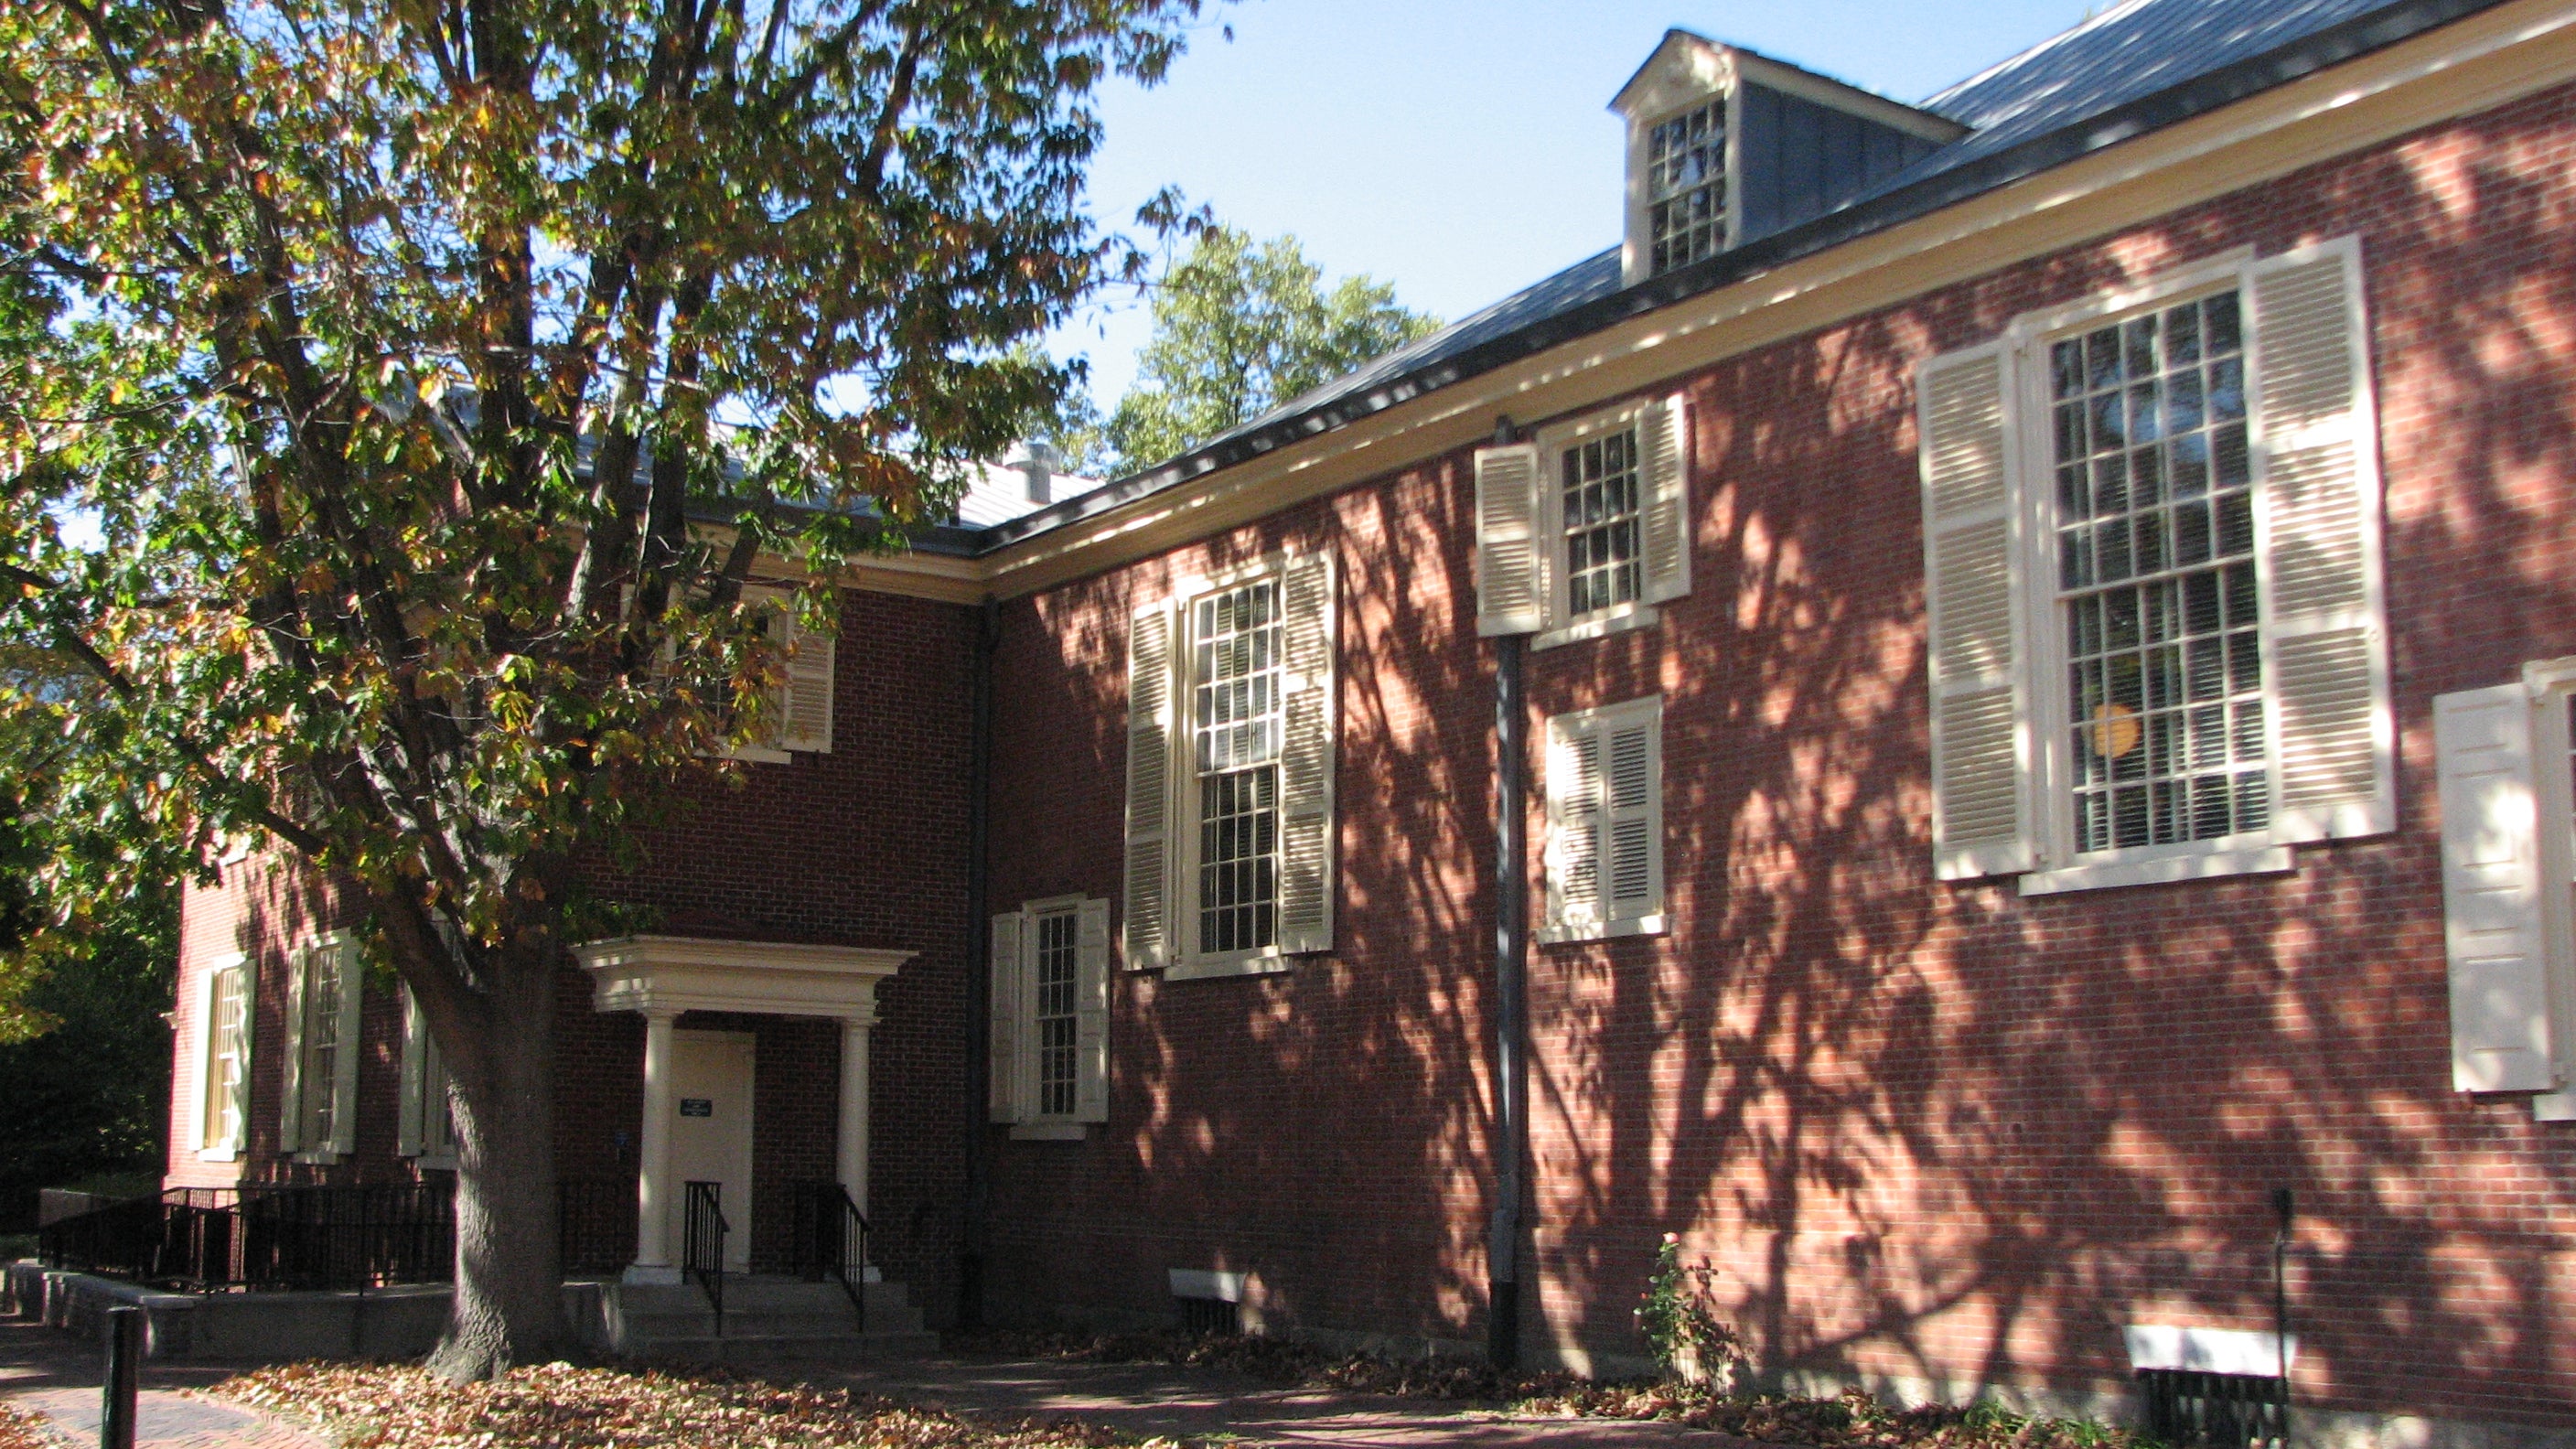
(1853, 1421)
(560, 1406)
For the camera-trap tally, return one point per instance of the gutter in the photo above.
(978, 1206)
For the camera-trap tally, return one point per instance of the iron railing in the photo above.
(834, 1236)
(595, 1224)
(703, 1251)
(2195, 1410)
(264, 1238)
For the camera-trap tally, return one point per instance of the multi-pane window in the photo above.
(1598, 482)
(321, 1037)
(1686, 186)
(227, 1057)
(1058, 967)
(2156, 579)
(1235, 735)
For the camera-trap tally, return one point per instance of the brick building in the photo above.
(1985, 694)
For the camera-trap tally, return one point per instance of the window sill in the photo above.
(432, 1161)
(318, 1158)
(1654, 925)
(2163, 870)
(218, 1154)
(1049, 1131)
(760, 755)
(1629, 616)
(1263, 965)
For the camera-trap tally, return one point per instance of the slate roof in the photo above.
(2136, 68)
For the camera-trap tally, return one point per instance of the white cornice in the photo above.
(666, 975)
(2470, 65)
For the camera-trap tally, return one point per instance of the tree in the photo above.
(1240, 328)
(435, 374)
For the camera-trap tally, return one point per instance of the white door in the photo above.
(711, 1133)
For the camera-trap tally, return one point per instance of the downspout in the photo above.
(979, 981)
(1511, 997)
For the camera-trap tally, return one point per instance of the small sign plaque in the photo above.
(697, 1106)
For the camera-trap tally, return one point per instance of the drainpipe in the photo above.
(979, 981)
(1511, 972)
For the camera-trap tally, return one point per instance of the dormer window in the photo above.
(1686, 186)
(1725, 146)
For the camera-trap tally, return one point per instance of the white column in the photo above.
(853, 1161)
(653, 1186)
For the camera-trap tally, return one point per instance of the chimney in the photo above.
(1039, 463)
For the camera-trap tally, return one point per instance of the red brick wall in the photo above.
(865, 846)
(1923, 1130)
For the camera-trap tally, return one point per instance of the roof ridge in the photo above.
(2087, 24)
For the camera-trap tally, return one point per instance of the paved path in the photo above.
(1146, 1400)
(56, 1375)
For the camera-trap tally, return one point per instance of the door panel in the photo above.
(711, 1075)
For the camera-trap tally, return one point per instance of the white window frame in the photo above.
(201, 1075)
(296, 1102)
(1561, 923)
(427, 1132)
(1015, 1045)
(1188, 961)
(1562, 625)
(2061, 866)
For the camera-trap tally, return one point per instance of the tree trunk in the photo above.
(509, 1272)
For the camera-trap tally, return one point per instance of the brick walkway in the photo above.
(57, 1376)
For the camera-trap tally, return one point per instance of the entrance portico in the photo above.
(664, 976)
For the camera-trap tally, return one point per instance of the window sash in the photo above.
(1055, 977)
(227, 1023)
(1235, 728)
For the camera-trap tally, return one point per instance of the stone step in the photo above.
(772, 1348)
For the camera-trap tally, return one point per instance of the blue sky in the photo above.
(1462, 149)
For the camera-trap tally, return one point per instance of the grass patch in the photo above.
(1853, 1421)
(376, 1406)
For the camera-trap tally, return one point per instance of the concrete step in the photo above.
(765, 1317)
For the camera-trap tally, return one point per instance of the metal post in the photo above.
(124, 1368)
(2285, 1206)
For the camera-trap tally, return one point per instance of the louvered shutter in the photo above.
(1091, 1013)
(344, 1059)
(805, 716)
(1004, 1045)
(2317, 445)
(1150, 716)
(1663, 443)
(1632, 835)
(1306, 757)
(1573, 854)
(415, 1079)
(292, 1086)
(1980, 804)
(240, 1139)
(1511, 558)
(2491, 892)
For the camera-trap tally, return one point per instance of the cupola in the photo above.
(1725, 146)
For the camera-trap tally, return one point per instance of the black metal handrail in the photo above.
(835, 1236)
(264, 1238)
(703, 1243)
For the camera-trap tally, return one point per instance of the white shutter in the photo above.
(2492, 881)
(1511, 557)
(1980, 744)
(344, 1060)
(1663, 439)
(1150, 718)
(1306, 756)
(1004, 1045)
(240, 1140)
(805, 716)
(1091, 1014)
(1632, 875)
(2316, 442)
(415, 1079)
(290, 1111)
(1573, 854)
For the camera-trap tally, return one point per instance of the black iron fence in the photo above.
(219, 1239)
(595, 1224)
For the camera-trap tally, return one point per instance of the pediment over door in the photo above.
(665, 975)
